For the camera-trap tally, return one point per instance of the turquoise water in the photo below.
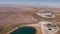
(51, 25)
(24, 30)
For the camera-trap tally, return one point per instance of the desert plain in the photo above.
(12, 17)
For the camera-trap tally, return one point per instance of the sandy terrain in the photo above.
(11, 17)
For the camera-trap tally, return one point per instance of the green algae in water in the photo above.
(51, 25)
(24, 30)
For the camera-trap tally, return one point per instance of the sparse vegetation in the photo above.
(18, 16)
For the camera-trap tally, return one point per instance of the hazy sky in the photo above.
(32, 2)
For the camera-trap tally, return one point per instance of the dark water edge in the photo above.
(24, 30)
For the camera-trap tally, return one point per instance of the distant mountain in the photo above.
(37, 6)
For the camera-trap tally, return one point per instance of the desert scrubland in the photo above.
(11, 17)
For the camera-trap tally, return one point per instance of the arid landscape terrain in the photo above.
(12, 17)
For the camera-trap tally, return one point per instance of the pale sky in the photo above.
(32, 2)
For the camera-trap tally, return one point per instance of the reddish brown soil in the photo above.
(13, 15)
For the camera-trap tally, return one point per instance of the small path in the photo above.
(41, 25)
(45, 30)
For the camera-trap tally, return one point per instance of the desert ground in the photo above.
(12, 17)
